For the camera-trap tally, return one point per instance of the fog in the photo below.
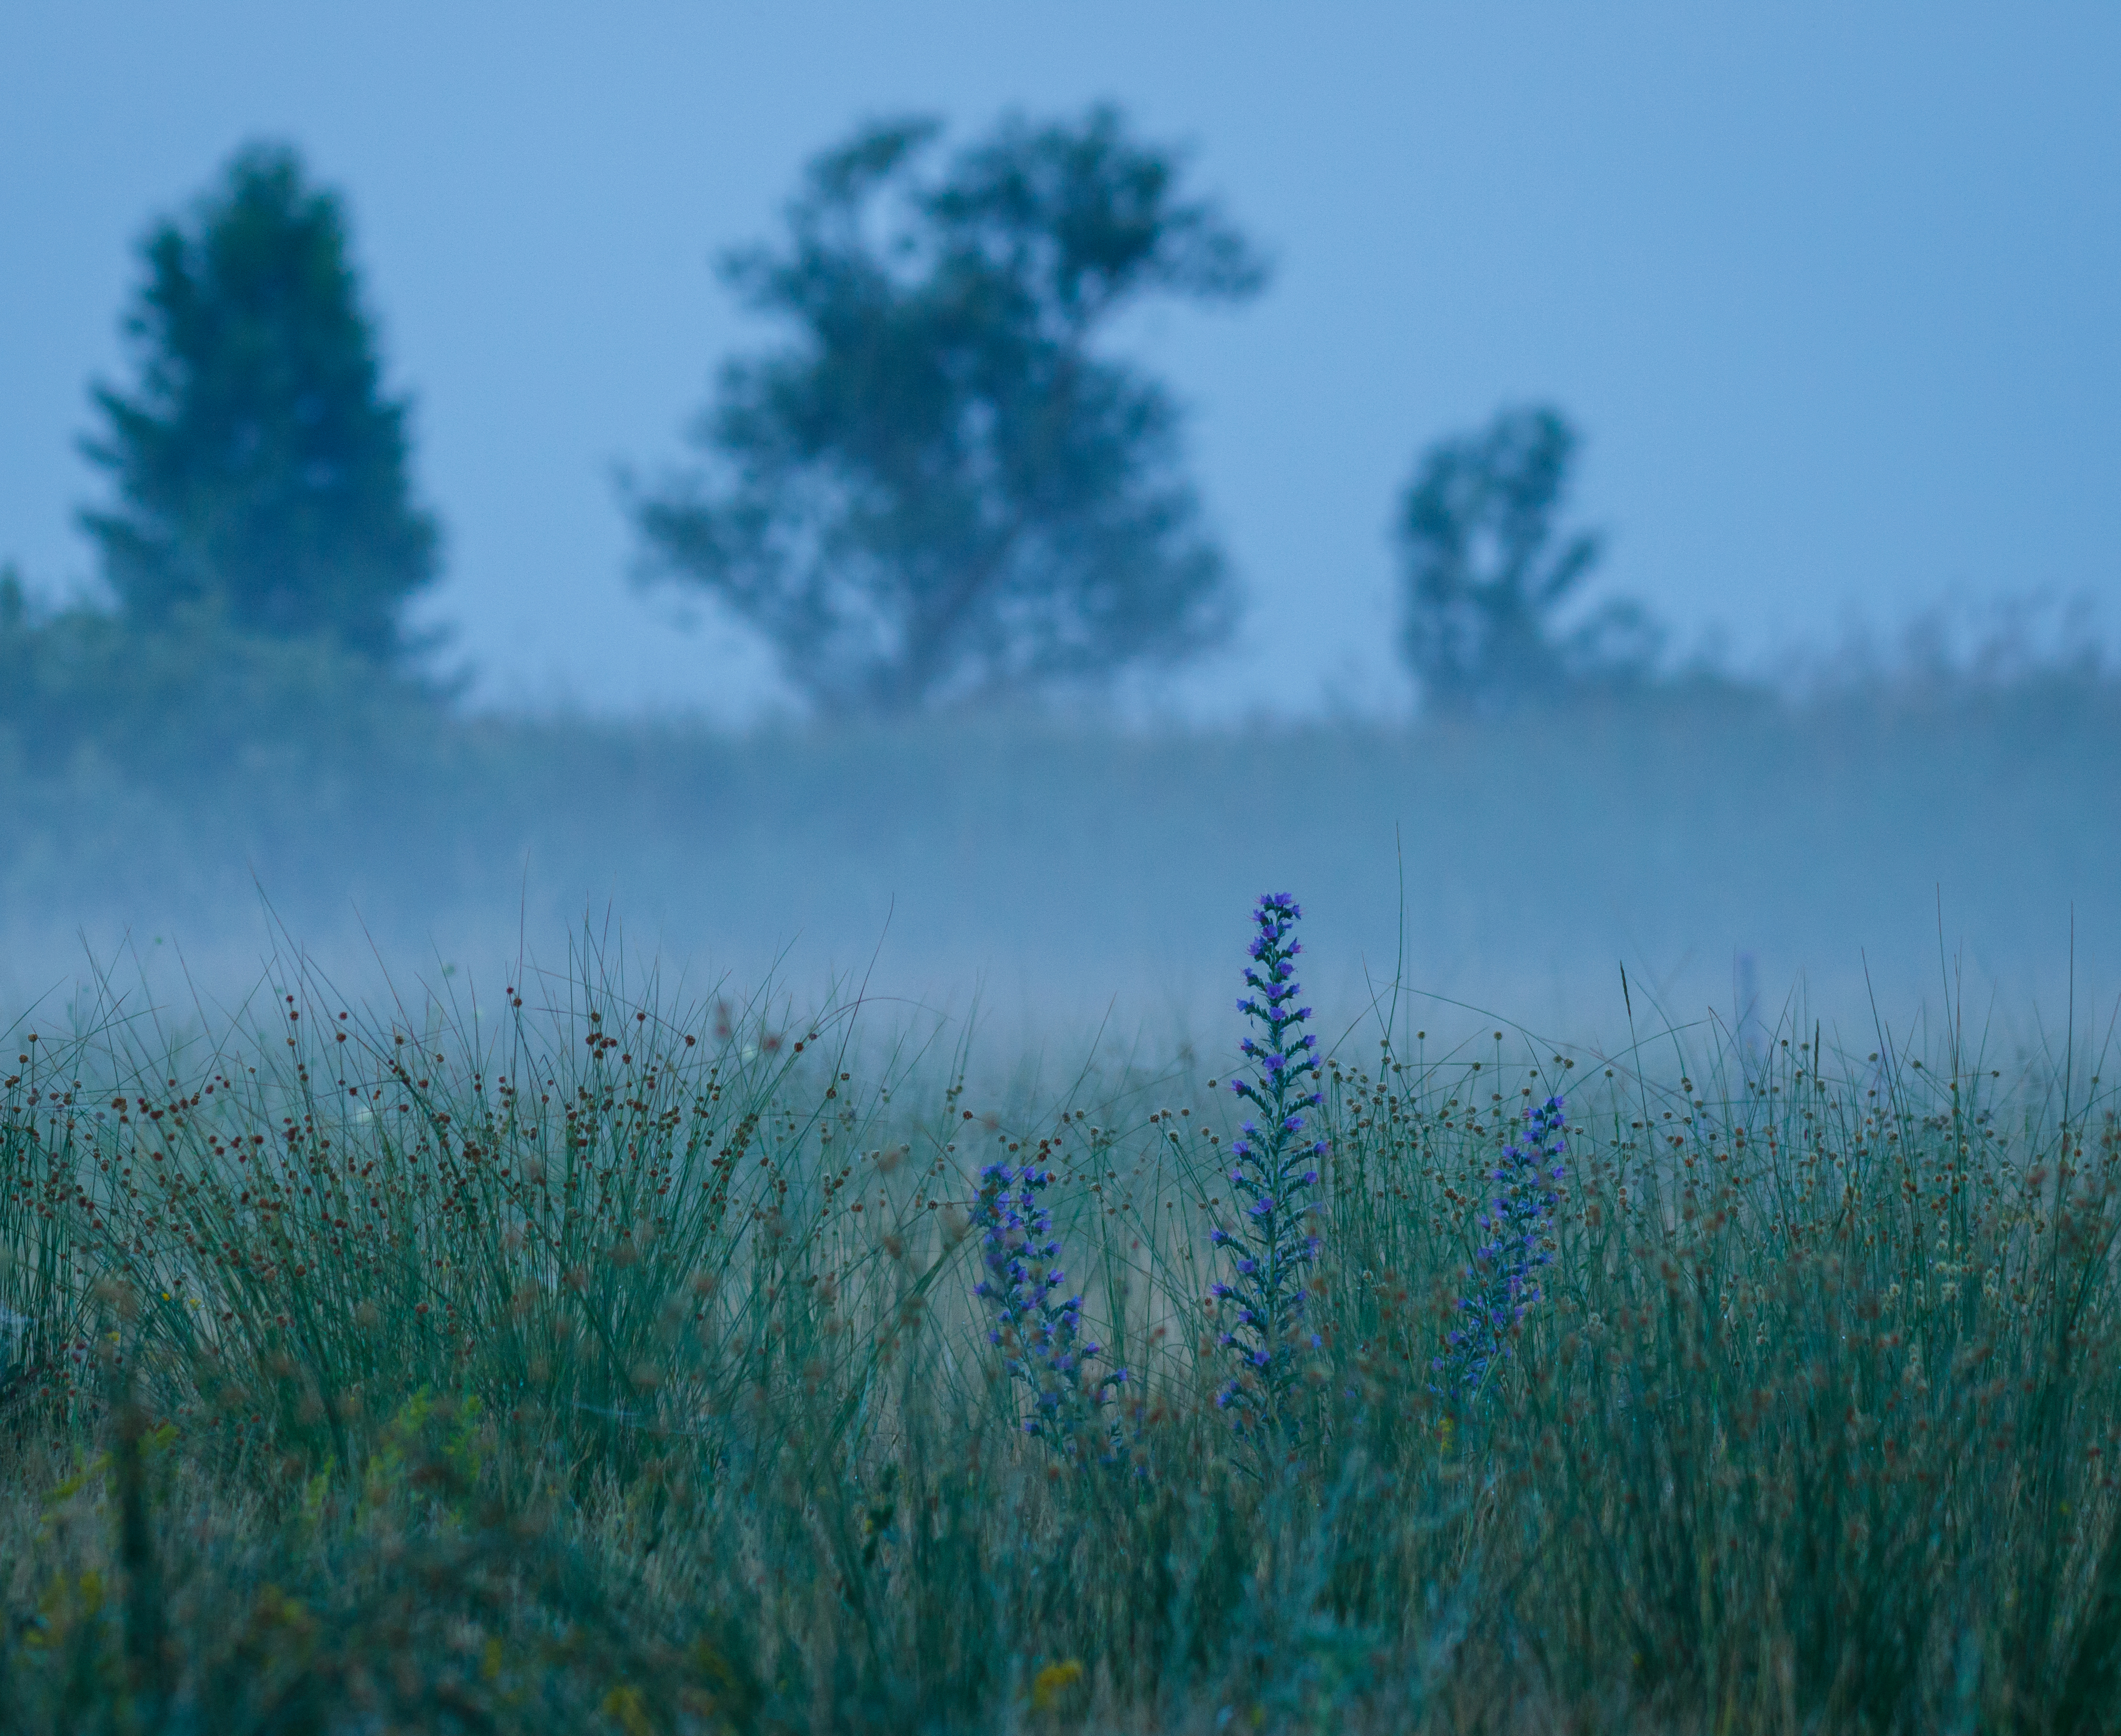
(1829, 298)
(1867, 865)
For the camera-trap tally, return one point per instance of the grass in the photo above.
(587, 1361)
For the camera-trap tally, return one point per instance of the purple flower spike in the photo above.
(1272, 1240)
(1501, 1274)
(1040, 1332)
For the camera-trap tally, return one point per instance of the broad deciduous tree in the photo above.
(939, 490)
(1487, 570)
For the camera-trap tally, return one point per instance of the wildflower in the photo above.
(1503, 1277)
(1276, 1169)
(1038, 1329)
(1052, 1682)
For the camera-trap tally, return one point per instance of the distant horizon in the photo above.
(1827, 296)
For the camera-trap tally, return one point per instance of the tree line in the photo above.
(939, 488)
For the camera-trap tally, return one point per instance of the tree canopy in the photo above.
(938, 489)
(261, 475)
(1487, 571)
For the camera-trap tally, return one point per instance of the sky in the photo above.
(1829, 290)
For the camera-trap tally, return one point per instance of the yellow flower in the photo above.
(1051, 1682)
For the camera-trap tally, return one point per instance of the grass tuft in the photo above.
(594, 1362)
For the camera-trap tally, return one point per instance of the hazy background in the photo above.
(1831, 296)
(1831, 291)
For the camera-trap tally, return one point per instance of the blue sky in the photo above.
(1832, 291)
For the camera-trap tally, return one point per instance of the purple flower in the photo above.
(1040, 1337)
(1504, 1275)
(1271, 1236)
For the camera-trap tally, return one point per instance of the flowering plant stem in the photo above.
(1038, 1330)
(1502, 1280)
(1271, 1246)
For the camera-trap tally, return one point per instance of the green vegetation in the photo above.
(942, 490)
(1486, 574)
(577, 1360)
(262, 480)
(592, 1357)
(84, 694)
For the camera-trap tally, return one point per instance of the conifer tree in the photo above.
(261, 475)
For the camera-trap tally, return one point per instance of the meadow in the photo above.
(586, 1356)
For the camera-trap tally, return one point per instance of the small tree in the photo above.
(259, 472)
(939, 490)
(1486, 574)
